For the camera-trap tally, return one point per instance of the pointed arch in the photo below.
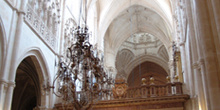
(42, 70)
(40, 61)
(146, 70)
(120, 28)
(149, 58)
(27, 93)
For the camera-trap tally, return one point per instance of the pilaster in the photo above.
(205, 38)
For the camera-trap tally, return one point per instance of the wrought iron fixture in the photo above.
(81, 76)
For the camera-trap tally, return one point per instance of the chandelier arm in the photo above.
(56, 79)
(56, 94)
(54, 86)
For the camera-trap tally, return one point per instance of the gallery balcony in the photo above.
(148, 97)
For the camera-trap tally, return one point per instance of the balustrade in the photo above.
(153, 90)
(43, 17)
(146, 96)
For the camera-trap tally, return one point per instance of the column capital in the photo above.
(201, 61)
(198, 64)
(2, 81)
(195, 65)
(11, 84)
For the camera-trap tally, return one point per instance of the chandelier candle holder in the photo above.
(81, 78)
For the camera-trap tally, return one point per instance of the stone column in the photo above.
(195, 47)
(216, 9)
(192, 52)
(16, 40)
(214, 4)
(185, 69)
(12, 53)
(199, 86)
(9, 95)
(205, 39)
(3, 85)
(204, 84)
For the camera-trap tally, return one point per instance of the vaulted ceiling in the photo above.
(134, 20)
(119, 20)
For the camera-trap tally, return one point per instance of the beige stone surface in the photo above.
(40, 29)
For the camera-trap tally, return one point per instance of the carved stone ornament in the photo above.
(120, 89)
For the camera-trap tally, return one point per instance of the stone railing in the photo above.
(122, 91)
(153, 90)
(161, 97)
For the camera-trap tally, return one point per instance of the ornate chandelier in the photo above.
(81, 77)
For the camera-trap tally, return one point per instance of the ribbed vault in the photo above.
(137, 18)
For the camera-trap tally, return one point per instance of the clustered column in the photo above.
(205, 37)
